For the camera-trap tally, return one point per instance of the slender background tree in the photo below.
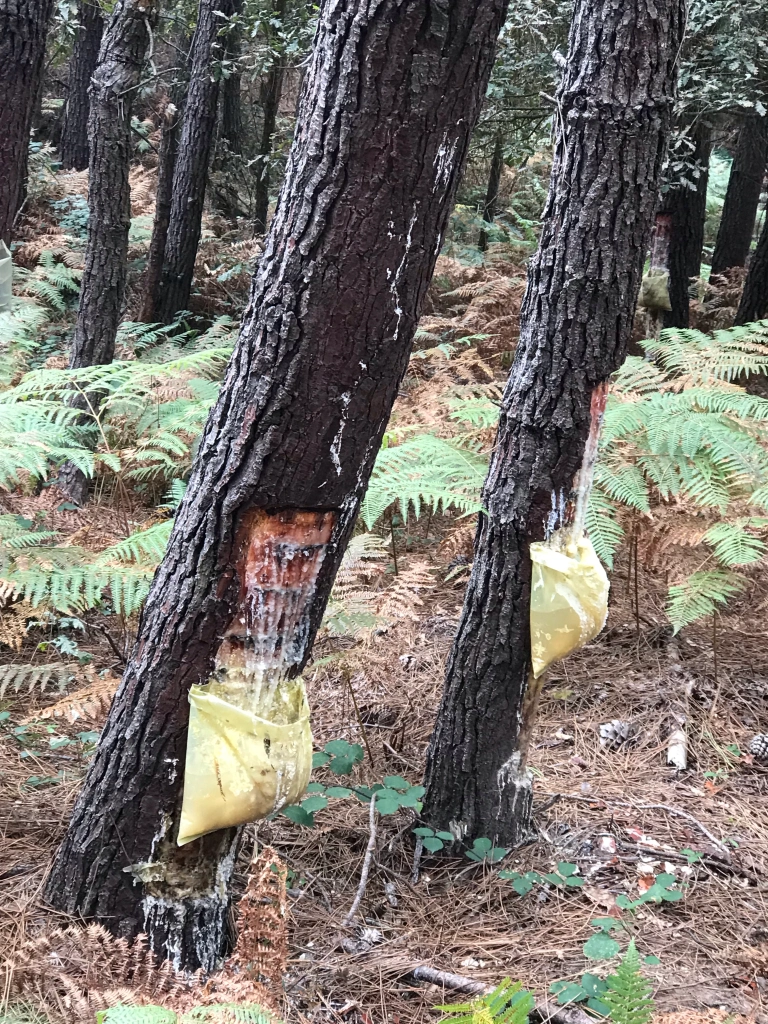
(23, 27)
(614, 113)
(73, 146)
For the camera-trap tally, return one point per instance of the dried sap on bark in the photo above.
(249, 745)
(569, 597)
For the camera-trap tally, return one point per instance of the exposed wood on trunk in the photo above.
(389, 101)
(73, 147)
(737, 222)
(687, 208)
(191, 171)
(23, 26)
(614, 115)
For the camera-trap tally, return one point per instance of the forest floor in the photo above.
(619, 813)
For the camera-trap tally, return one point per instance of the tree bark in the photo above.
(271, 89)
(734, 235)
(231, 107)
(102, 290)
(688, 211)
(23, 27)
(614, 111)
(389, 101)
(194, 152)
(169, 147)
(754, 299)
(492, 193)
(73, 146)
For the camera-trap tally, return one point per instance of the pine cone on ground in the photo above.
(759, 747)
(617, 734)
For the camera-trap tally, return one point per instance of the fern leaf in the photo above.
(700, 595)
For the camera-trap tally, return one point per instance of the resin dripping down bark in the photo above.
(249, 745)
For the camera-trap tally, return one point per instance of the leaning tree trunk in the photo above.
(191, 172)
(687, 209)
(289, 446)
(754, 299)
(23, 26)
(102, 290)
(271, 90)
(492, 192)
(614, 111)
(737, 222)
(73, 146)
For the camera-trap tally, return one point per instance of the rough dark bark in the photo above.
(271, 89)
(166, 163)
(492, 193)
(23, 27)
(734, 235)
(123, 49)
(614, 112)
(231, 107)
(190, 175)
(754, 299)
(688, 211)
(389, 101)
(73, 146)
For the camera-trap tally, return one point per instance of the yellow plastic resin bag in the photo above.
(569, 598)
(241, 765)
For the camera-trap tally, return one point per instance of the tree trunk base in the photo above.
(74, 483)
(192, 932)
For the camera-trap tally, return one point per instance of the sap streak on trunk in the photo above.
(388, 104)
(614, 112)
(23, 26)
(73, 147)
(734, 236)
(194, 152)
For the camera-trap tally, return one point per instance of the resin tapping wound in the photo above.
(282, 553)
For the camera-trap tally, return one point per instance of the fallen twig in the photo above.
(417, 860)
(540, 1014)
(366, 868)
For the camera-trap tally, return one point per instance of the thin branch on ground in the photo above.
(365, 871)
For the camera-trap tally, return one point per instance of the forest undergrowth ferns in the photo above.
(678, 432)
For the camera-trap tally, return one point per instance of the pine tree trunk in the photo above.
(271, 89)
(231, 107)
(614, 116)
(734, 235)
(688, 211)
(194, 152)
(754, 299)
(102, 290)
(291, 442)
(23, 27)
(492, 193)
(168, 151)
(73, 146)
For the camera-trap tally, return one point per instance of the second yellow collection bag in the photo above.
(569, 597)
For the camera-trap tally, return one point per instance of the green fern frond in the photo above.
(732, 545)
(509, 1003)
(700, 595)
(629, 994)
(217, 1013)
(424, 471)
(603, 526)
